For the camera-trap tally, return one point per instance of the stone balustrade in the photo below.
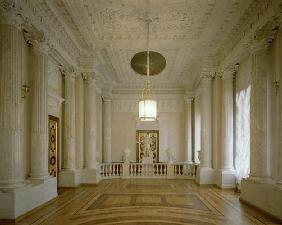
(182, 170)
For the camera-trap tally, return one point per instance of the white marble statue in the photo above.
(170, 155)
(126, 153)
(148, 154)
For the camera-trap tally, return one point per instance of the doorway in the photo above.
(53, 145)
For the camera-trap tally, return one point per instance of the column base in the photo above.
(226, 178)
(266, 196)
(17, 201)
(90, 176)
(69, 178)
(205, 175)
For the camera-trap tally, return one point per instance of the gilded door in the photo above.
(141, 136)
(53, 146)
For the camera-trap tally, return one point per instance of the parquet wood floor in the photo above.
(152, 202)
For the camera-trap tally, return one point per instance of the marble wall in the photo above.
(170, 124)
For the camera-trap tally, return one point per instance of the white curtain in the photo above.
(242, 153)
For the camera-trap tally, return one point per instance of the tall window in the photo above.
(242, 153)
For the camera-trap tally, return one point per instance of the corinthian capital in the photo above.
(67, 73)
(89, 76)
(263, 37)
(32, 36)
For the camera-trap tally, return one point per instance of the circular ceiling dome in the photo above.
(139, 63)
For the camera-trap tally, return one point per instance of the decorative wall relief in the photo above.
(53, 146)
(141, 136)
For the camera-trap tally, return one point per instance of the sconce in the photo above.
(276, 85)
(25, 90)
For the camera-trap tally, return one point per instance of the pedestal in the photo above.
(265, 195)
(226, 178)
(17, 201)
(205, 175)
(69, 178)
(91, 176)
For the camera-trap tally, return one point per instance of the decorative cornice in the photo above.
(263, 37)
(238, 42)
(228, 75)
(207, 76)
(36, 15)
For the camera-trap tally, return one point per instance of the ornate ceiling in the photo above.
(110, 32)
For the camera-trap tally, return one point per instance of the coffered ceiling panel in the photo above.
(183, 31)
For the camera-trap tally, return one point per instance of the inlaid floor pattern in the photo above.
(132, 202)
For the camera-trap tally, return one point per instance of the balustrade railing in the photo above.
(147, 170)
(177, 170)
(182, 169)
(111, 170)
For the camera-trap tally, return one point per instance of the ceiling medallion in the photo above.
(139, 63)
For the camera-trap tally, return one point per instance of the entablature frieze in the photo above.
(38, 30)
(251, 32)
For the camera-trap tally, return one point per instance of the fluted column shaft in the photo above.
(39, 126)
(279, 175)
(69, 122)
(227, 121)
(206, 123)
(107, 130)
(258, 115)
(11, 69)
(188, 130)
(90, 124)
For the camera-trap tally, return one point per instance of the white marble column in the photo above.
(259, 189)
(79, 121)
(197, 126)
(90, 122)
(206, 172)
(69, 176)
(107, 129)
(227, 172)
(188, 130)
(69, 122)
(258, 117)
(39, 124)
(206, 123)
(279, 174)
(11, 72)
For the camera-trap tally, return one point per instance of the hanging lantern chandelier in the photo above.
(147, 106)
